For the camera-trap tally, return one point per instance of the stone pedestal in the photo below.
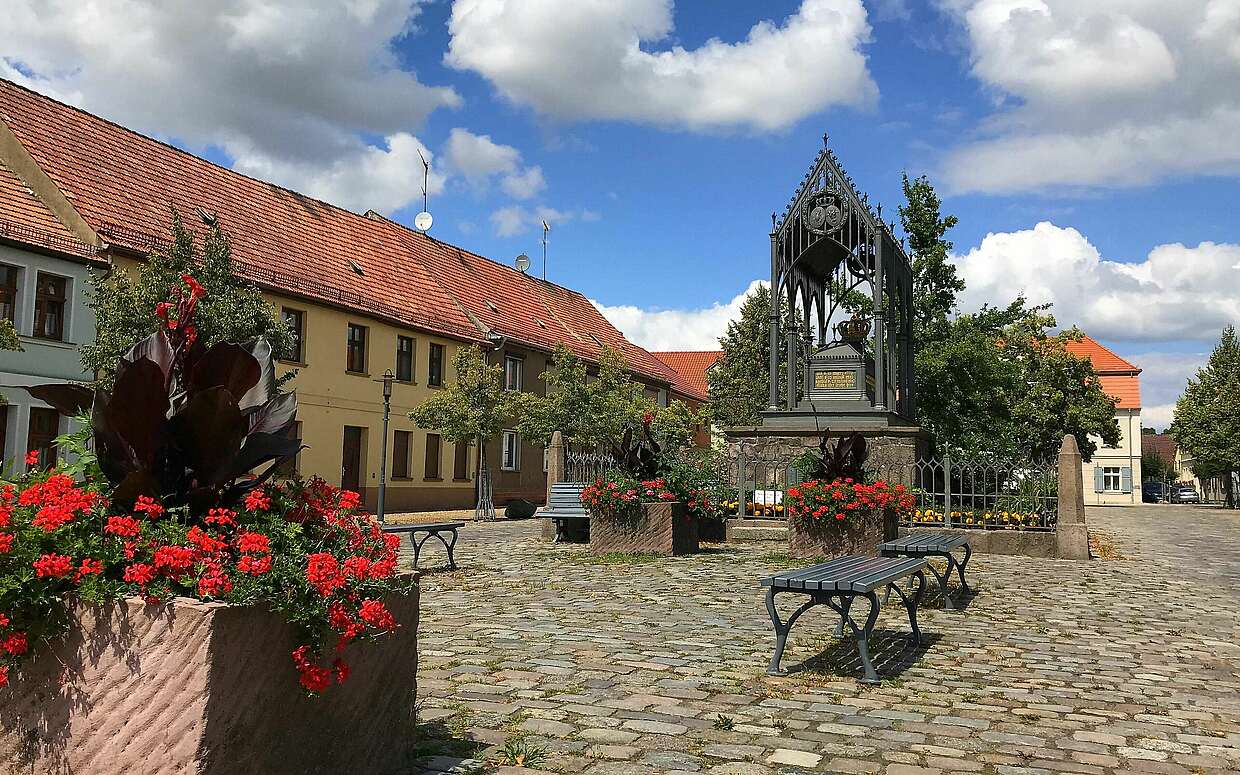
(205, 688)
(659, 528)
(810, 539)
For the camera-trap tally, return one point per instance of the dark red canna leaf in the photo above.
(67, 398)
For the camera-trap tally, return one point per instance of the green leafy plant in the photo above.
(845, 459)
(521, 752)
(181, 422)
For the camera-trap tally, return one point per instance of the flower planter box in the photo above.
(812, 538)
(713, 531)
(658, 528)
(194, 687)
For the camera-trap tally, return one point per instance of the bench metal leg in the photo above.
(917, 587)
(782, 628)
(941, 579)
(846, 603)
(968, 552)
(861, 635)
(417, 546)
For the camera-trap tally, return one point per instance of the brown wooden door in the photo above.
(351, 461)
(44, 428)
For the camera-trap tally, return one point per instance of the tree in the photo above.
(1207, 415)
(999, 383)
(592, 411)
(739, 382)
(469, 410)
(233, 309)
(8, 336)
(935, 282)
(1156, 467)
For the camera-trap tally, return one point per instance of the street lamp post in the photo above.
(388, 377)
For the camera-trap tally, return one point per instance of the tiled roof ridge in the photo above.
(1128, 367)
(188, 154)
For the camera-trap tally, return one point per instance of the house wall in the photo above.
(42, 361)
(1126, 456)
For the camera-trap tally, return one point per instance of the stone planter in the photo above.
(811, 539)
(659, 528)
(714, 531)
(204, 688)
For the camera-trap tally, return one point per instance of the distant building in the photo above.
(690, 367)
(1111, 474)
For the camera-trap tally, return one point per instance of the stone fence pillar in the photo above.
(555, 462)
(1071, 535)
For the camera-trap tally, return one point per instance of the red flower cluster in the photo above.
(841, 499)
(59, 501)
(174, 313)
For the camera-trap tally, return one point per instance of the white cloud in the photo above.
(1104, 93)
(1163, 376)
(677, 329)
(1176, 293)
(479, 159)
(525, 184)
(382, 178)
(517, 219)
(597, 59)
(278, 84)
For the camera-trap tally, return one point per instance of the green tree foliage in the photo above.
(739, 383)
(474, 406)
(1207, 414)
(8, 336)
(935, 282)
(233, 310)
(1158, 468)
(1000, 383)
(594, 410)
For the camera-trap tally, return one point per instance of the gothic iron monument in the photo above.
(841, 316)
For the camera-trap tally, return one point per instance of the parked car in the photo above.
(1184, 493)
(1153, 492)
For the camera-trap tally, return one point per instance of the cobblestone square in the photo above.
(605, 667)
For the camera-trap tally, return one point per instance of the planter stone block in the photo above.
(204, 688)
(810, 539)
(659, 528)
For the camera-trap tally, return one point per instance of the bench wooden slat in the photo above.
(422, 526)
(856, 573)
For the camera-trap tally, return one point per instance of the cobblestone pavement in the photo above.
(580, 665)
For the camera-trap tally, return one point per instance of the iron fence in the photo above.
(986, 494)
(586, 466)
(950, 492)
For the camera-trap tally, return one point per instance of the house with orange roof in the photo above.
(690, 384)
(362, 293)
(1113, 476)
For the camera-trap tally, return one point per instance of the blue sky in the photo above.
(1087, 149)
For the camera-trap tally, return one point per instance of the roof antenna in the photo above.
(546, 229)
(423, 220)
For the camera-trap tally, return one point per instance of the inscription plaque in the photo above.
(835, 380)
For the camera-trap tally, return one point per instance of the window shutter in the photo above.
(1125, 479)
(1098, 482)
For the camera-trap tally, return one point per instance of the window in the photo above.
(8, 293)
(434, 375)
(356, 353)
(460, 466)
(1111, 479)
(400, 454)
(512, 372)
(49, 307)
(511, 458)
(289, 468)
(44, 428)
(295, 319)
(404, 358)
(432, 455)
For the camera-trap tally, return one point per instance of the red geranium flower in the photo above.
(15, 643)
(32, 457)
(53, 565)
(125, 527)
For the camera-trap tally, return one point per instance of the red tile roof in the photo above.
(1160, 444)
(1118, 377)
(25, 219)
(691, 367)
(123, 184)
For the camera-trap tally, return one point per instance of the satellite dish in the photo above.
(423, 221)
(523, 262)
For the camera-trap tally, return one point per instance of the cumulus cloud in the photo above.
(596, 59)
(517, 219)
(1163, 376)
(1104, 93)
(278, 85)
(1177, 293)
(677, 329)
(479, 159)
